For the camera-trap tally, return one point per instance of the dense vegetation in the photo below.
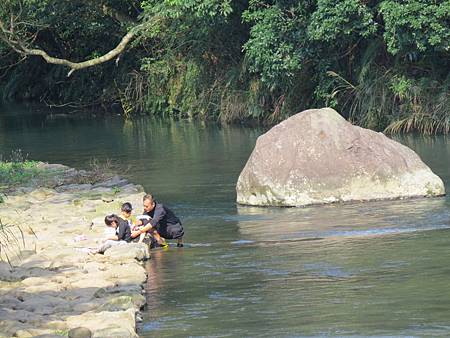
(381, 63)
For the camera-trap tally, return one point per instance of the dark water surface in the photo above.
(372, 269)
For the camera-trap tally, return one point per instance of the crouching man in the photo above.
(162, 223)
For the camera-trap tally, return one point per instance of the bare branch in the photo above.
(19, 40)
(85, 64)
(20, 47)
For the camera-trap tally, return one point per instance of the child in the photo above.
(122, 234)
(125, 214)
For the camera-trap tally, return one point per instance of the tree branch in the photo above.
(16, 35)
(20, 46)
(84, 64)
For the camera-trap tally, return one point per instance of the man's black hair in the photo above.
(148, 197)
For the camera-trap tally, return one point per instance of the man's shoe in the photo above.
(180, 245)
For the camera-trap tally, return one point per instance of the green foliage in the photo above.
(334, 21)
(62, 333)
(382, 63)
(416, 26)
(423, 107)
(286, 35)
(15, 173)
(383, 100)
(15, 170)
(277, 37)
(178, 8)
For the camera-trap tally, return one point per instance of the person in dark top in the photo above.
(122, 234)
(162, 221)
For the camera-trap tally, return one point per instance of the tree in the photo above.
(264, 59)
(19, 26)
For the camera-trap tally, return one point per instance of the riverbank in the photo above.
(52, 285)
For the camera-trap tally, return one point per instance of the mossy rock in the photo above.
(123, 302)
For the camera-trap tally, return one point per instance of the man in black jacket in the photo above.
(162, 219)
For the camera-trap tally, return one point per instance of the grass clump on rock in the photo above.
(16, 170)
(11, 241)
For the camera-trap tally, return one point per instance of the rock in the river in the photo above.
(317, 157)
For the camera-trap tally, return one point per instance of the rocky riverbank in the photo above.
(53, 288)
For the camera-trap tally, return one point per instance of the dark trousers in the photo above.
(170, 231)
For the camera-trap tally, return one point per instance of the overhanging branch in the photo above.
(19, 45)
(84, 64)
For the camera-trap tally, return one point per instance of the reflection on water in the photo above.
(363, 269)
(343, 220)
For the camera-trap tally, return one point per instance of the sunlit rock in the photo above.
(138, 251)
(50, 284)
(317, 157)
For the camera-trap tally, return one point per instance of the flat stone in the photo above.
(131, 189)
(74, 187)
(36, 261)
(41, 194)
(107, 324)
(5, 272)
(123, 302)
(138, 251)
(115, 181)
(80, 332)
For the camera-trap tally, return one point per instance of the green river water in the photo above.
(368, 269)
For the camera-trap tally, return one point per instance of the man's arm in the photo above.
(146, 228)
(135, 234)
(158, 215)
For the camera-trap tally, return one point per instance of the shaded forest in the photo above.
(384, 65)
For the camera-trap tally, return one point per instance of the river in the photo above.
(364, 269)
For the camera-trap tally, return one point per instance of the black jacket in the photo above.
(123, 231)
(161, 215)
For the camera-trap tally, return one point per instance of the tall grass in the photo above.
(425, 109)
(186, 88)
(12, 240)
(394, 100)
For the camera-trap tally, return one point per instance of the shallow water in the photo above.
(368, 269)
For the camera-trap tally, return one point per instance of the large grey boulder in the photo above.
(317, 157)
